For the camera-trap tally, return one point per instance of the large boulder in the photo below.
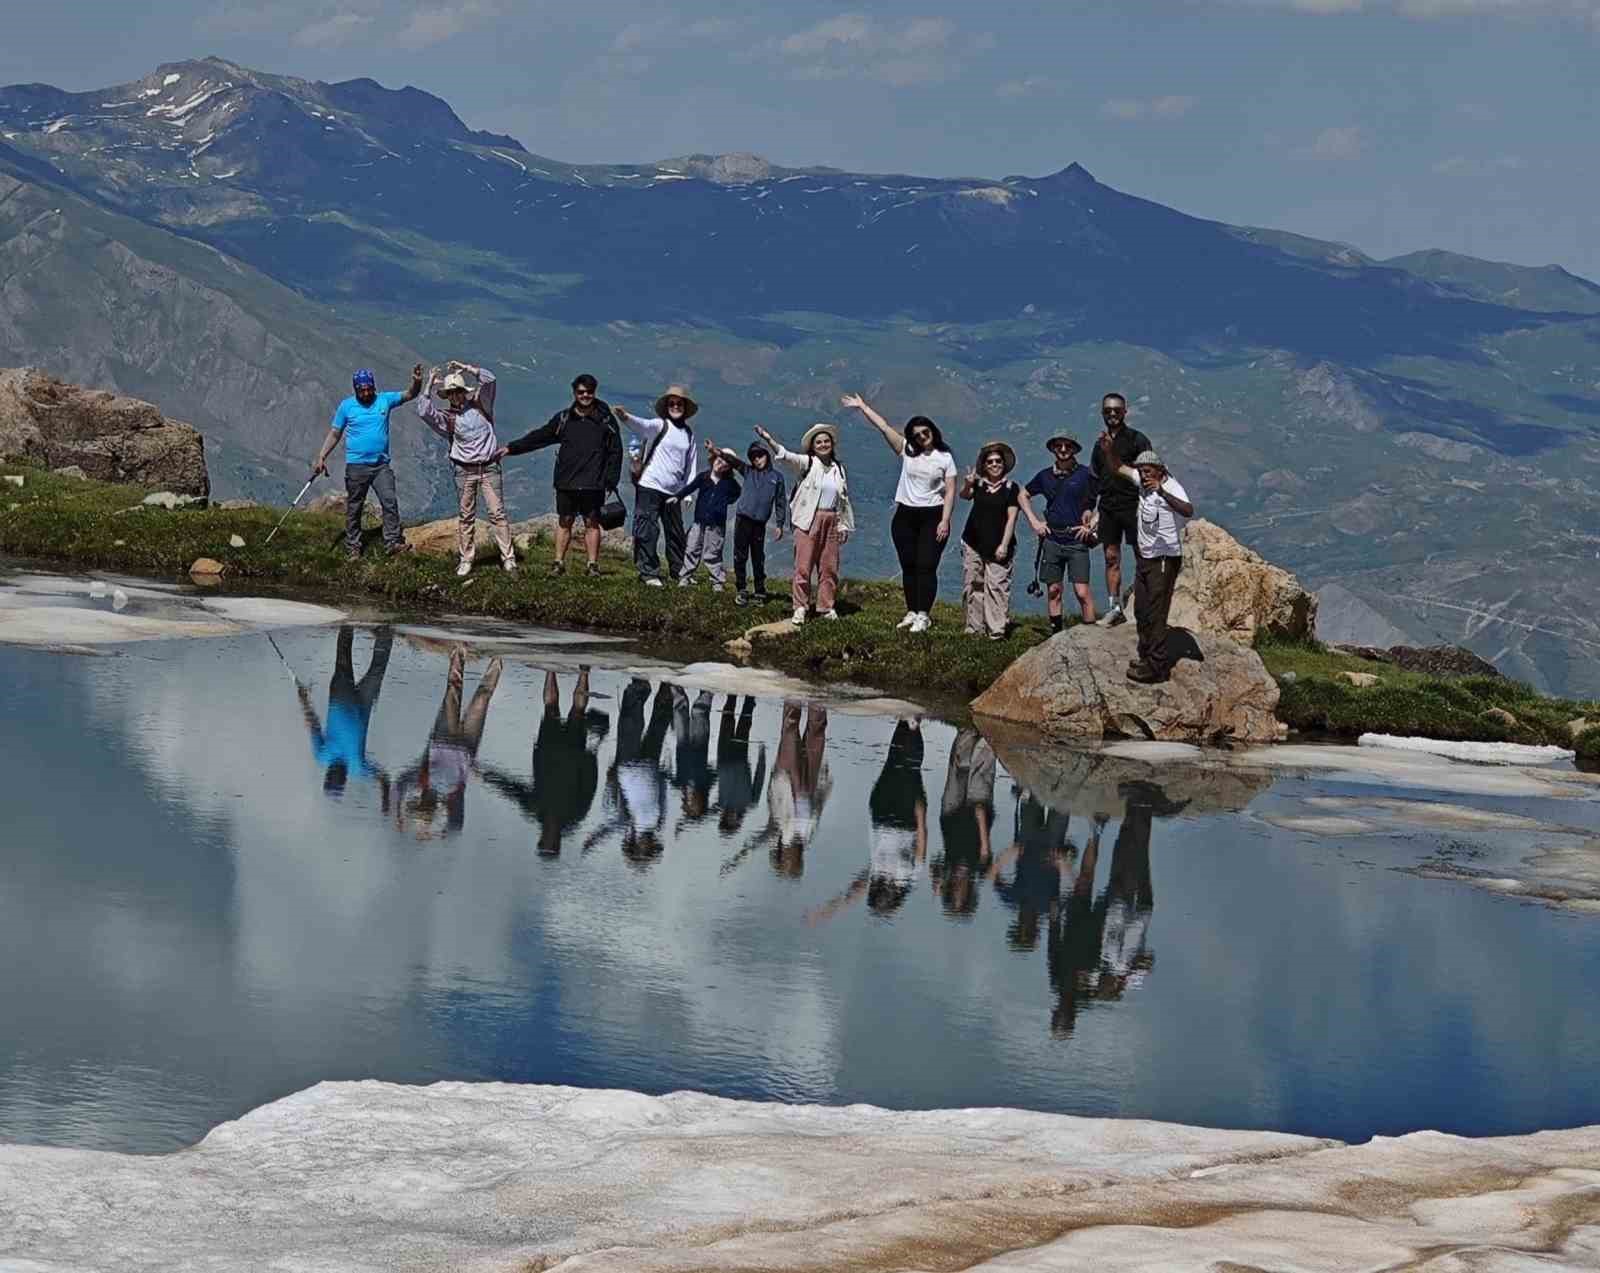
(1430, 660)
(115, 439)
(1227, 590)
(1075, 686)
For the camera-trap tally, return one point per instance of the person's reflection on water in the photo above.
(691, 770)
(565, 770)
(737, 789)
(799, 788)
(1101, 951)
(966, 816)
(636, 789)
(1041, 857)
(439, 779)
(898, 807)
(341, 747)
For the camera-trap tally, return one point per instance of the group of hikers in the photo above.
(1125, 495)
(949, 844)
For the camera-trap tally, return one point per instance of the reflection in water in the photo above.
(439, 779)
(566, 769)
(497, 955)
(342, 747)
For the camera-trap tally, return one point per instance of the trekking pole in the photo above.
(292, 507)
(281, 659)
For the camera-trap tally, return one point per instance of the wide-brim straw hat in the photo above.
(1050, 442)
(455, 380)
(676, 391)
(1149, 459)
(810, 435)
(1005, 450)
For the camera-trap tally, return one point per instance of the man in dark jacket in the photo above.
(588, 464)
(1119, 445)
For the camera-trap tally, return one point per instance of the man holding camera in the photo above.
(1065, 531)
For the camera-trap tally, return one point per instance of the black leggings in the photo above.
(919, 549)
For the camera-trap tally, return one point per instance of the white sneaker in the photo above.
(798, 617)
(463, 570)
(716, 587)
(906, 622)
(652, 583)
(1111, 617)
(509, 565)
(829, 614)
(919, 623)
(685, 582)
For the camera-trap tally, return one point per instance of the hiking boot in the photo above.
(463, 570)
(592, 570)
(762, 596)
(741, 599)
(558, 567)
(398, 550)
(1116, 618)
(1144, 674)
(1056, 623)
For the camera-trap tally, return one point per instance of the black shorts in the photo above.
(1119, 525)
(579, 503)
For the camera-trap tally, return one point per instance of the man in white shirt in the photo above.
(669, 463)
(1164, 510)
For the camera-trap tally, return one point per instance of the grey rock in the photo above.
(1075, 686)
(16, 479)
(234, 505)
(71, 470)
(107, 436)
(171, 499)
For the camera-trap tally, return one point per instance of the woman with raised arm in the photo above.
(819, 511)
(988, 544)
(923, 501)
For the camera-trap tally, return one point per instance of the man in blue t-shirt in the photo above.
(1069, 491)
(362, 420)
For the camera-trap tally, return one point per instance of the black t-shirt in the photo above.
(986, 523)
(1115, 493)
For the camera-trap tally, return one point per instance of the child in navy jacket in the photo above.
(716, 491)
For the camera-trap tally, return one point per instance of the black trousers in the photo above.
(918, 547)
(1153, 585)
(749, 542)
(654, 513)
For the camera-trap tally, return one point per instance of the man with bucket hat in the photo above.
(1163, 511)
(1070, 490)
(669, 463)
(362, 420)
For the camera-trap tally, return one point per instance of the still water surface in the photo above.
(232, 868)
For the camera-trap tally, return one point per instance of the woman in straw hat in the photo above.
(467, 424)
(819, 511)
(924, 498)
(989, 542)
(669, 463)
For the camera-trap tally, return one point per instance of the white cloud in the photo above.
(1334, 144)
(332, 32)
(436, 23)
(1130, 109)
(1029, 86)
(1463, 166)
(1581, 10)
(915, 51)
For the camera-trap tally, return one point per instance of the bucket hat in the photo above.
(810, 435)
(1150, 459)
(1051, 441)
(1007, 454)
(676, 391)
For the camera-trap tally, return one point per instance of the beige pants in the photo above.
(470, 479)
(986, 592)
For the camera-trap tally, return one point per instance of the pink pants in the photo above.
(817, 549)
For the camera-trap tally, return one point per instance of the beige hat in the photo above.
(1005, 450)
(455, 380)
(676, 391)
(810, 435)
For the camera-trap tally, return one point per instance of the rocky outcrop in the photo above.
(1430, 660)
(1075, 686)
(109, 437)
(1227, 590)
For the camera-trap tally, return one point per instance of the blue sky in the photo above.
(1390, 124)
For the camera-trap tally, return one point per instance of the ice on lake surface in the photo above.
(236, 867)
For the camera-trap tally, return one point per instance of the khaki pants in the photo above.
(986, 591)
(817, 549)
(470, 479)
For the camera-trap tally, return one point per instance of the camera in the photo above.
(1036, 589)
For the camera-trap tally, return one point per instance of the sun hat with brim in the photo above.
(1149, 459)
(810, 435)
(1007, 455)
(1049, 444)
(676, 391)
(455, 380)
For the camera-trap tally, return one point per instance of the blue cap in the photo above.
(363, 377)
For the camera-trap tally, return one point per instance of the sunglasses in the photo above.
(675, 402)
(994, 459)
(1113, 410)
(583, 393)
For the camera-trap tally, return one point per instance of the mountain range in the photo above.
(1417, 431)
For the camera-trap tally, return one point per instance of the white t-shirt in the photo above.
(1161, 525)
(922, 478)
(674, 462)
(828, 489)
